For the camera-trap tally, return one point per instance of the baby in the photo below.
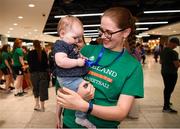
(70, 67)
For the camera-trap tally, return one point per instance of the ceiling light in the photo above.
(81, 15)
(143, 33)
(15, 24)
(150, 23)
(20, 17)
(142, 36)
(163, 11)
(93, 39)
(8, 35)
(138, 36)
(11, 29)
(90, 31)
(142, 28)
(84, 31)
(31, 5)
(94, 25)
(50, 32)
(91, 34)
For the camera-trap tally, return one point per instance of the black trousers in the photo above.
(169, 85)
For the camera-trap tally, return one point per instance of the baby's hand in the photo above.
(86, 90)
(80, 62)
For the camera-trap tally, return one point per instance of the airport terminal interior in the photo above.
(29, 20)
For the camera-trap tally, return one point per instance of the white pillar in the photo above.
(42, 44)
(4, 39)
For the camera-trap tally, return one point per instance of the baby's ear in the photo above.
(62, 33)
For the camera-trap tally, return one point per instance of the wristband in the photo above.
(90, 108)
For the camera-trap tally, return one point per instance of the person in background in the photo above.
(18, 66)
(52, 66)
(6, 66)
(70, 65)
(27, 79)
(156, 53)
(136, 52)
(169, 66)
(143, 54)
(93, 42)
(116, 75)
(1, 73)
(38, 66)
(96, 41)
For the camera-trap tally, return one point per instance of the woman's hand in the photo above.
(24, 67)
(71, 100)
(86, 90)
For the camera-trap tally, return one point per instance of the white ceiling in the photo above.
(33, 22)
(168, 30)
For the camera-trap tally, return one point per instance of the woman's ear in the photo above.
(127, 32)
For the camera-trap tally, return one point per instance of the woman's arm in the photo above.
(176, 63)
(7, 64)
(21, 60)
(23, 63)
(115, 113)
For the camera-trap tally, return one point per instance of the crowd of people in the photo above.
(23, 69)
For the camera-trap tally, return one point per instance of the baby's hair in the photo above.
(66, 23)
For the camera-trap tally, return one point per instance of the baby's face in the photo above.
(74, 35)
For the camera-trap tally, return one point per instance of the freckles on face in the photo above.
(107, 24)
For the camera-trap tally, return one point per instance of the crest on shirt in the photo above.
(91, 58)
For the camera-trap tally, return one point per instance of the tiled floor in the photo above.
(17, 112)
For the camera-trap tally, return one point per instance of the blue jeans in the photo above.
(72, 83)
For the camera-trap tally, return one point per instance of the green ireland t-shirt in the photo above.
(17, 53)
(124, 76)
(5, 56)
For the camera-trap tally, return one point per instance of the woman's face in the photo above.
(8, 48)
(20, 43)
(24, 50)
(114, 41)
